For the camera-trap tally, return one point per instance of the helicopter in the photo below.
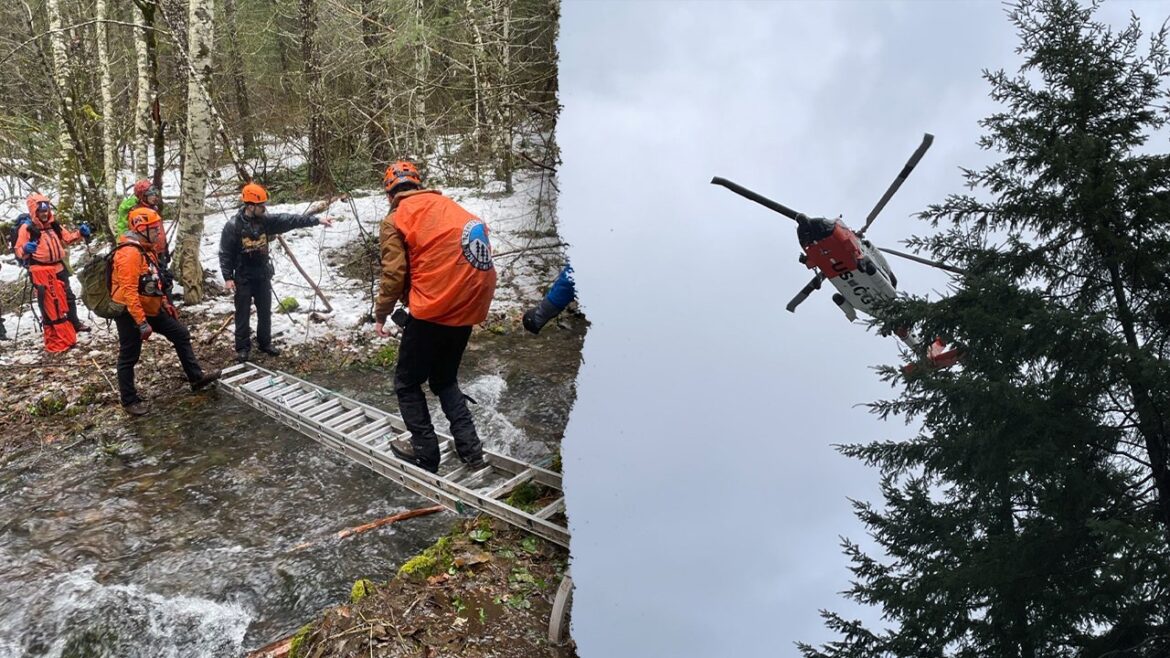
(855, 266)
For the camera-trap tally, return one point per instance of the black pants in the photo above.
(258, 290)
(130, 348)
(63, 275)
(431, 353)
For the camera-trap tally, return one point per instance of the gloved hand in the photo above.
(34, 233)
(145, 331)
(30, 247)
(171, 310)
(85, 232)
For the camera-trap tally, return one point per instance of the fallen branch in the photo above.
(289, 252)
(103, 374)
(401, 516)
(212, 337)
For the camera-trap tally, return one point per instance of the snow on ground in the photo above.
(523, 236)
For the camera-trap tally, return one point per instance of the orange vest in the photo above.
(452, 278)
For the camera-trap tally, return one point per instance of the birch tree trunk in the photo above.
(109, 166)
(505, 101)
(66, 166)
(144, 96)
(200, 36)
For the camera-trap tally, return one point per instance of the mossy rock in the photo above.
(47, 405)
(289, 304)
(295, 647)
(434, 560)
(360, 590)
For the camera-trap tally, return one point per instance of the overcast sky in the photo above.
(707, 501)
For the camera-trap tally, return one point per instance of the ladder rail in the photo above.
(327, 417)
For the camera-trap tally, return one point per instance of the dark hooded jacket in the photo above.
(244, 243)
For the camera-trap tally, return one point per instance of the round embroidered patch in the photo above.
(476, 248)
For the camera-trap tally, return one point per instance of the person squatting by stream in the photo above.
(137, 283)
(560, 295)
(246, 267)
(437, 259)
(40, 246)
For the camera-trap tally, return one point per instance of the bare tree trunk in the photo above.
(109, 166)
(422, 66)
(235, 64)
(196, 163)
(479, 83)
(505, 97)
(143, 97)
(378, 99)
(67, 166)
(318, 139)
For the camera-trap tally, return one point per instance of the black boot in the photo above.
(406, 453)
(467, 443)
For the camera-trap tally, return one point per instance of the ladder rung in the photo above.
(302, 402)
(552, 508)
(356, 421)
(263, 384)
(364, 434)
(325, 405)
(328, 414)
(248, 372)
(507, 487)
(276, 392)
(339, 422)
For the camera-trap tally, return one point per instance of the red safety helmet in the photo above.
(254, 193)
(399, 173)
(144, 188)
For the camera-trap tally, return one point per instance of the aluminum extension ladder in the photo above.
(364, 433)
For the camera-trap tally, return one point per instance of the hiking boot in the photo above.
(476, 463)
(139, 408)
(406, 454)
(206, 380)
(269, 350)
(242, 356)
(82, 328)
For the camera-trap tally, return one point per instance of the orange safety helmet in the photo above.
(142, 218)
(254, 193)
(401, 172)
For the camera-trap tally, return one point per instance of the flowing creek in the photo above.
(179, 536)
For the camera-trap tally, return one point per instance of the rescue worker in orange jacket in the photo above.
(41, 243)
(136, 282)
(436, 259)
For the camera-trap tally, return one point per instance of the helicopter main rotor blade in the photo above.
(927, 140)
(758, 198)
(924, 261)
(812, 286)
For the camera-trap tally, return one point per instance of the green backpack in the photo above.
(96, 277)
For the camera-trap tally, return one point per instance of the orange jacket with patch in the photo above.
(136, 280)
(50, 246)
(440, 252)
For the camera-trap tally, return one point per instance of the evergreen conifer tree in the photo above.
(1030, 516)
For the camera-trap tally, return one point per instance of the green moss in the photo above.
(434, 560)
(360, 590)
(289, 304)
(298, 641)
(47, 405)
(386, 356)
(498, 329)
(525, 496)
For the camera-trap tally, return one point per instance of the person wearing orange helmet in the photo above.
(40, 244)
(436, 259)
(136, 282)
(246, 268)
